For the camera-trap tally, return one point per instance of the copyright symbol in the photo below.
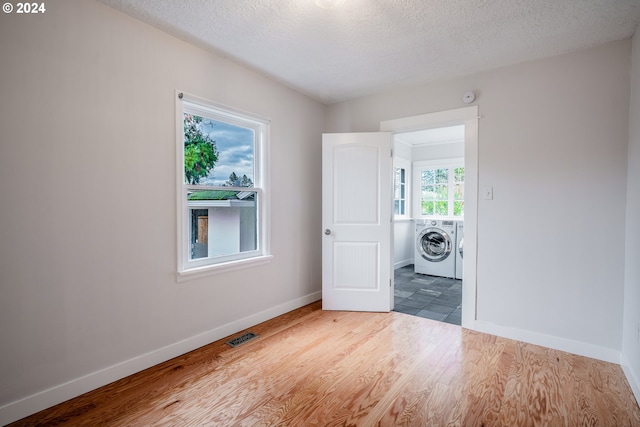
(7, 8)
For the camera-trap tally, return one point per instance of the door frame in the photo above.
(467, 116)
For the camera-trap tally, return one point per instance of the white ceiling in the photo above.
(360, 47)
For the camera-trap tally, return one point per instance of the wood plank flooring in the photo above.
(316, 368)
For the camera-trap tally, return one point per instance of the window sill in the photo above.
(209, 270)
(402, 219)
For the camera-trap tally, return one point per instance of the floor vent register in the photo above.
(242, 339)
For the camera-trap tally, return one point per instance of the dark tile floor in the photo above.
(436, 298)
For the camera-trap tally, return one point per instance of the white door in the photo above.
(356, 218)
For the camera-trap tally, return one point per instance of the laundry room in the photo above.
(429, 222)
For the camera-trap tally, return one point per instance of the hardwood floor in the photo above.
(315, 368)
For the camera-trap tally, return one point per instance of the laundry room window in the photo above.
(401, 168)
(440, 188)
(222, 193)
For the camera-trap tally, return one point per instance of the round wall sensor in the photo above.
(468, 97)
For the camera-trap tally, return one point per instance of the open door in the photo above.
(356, 218)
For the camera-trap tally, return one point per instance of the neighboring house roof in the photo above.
(220, 198)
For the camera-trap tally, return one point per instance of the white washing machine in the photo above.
(458, 248)
(435, 253)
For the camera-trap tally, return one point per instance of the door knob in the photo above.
(327, 231)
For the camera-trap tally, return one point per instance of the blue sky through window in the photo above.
(235, 151)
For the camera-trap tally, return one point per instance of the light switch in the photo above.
(488, 193)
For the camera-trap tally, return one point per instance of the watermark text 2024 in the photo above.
(24, 8)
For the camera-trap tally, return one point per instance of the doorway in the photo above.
(427, 271)
(430, 142)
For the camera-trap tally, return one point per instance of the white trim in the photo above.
(430, 120)
(187, 268)
(632, 377)
(563, 344)
(222, 267)
(36, 402)
(402, 263)
(180, 231)
(220, 203)
(407, 219)
(469, 117)
(228, 114)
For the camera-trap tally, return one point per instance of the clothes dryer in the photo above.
(459, 248)
(434, 250)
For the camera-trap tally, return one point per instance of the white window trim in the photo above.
(418, 166)
(400, 162)
(195, 269)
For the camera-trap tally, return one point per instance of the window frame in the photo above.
(186, 267)
(449, 164)
(402, 163)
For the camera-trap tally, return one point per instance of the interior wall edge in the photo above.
(633, 377)
(402, 263)
(29, 405)
(557, 343)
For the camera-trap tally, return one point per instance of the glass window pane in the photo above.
(402, 175)
(427, 208)
(458, 208)
(458, 193)
(396, 207)
(397, 183)
(442, 176)
(442, 208)
(428, 176)
(217, 153)
(401, 207)
(459, 174)
(402, 192)
(222, 222)
(429, 192)
(199, 233)
(442, 192)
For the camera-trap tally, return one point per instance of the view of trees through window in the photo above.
(442, 191)
(209, 143)
(458, 191)
(218, 154)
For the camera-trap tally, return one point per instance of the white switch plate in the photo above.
(488, 193)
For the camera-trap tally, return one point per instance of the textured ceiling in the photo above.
(360, 47)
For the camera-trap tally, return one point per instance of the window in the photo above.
(400, 183)
(222, 206)
(401, 168)
(441, 188)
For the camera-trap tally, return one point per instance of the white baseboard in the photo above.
(31, 404)
(570, 346)
(402, 263)
(632, 377)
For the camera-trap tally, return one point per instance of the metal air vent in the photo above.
(242, 339)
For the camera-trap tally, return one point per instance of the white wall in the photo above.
(631, 329)
(552, 144)
(403, 231)
(438, 151)
(403, 236)
(88, 217)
